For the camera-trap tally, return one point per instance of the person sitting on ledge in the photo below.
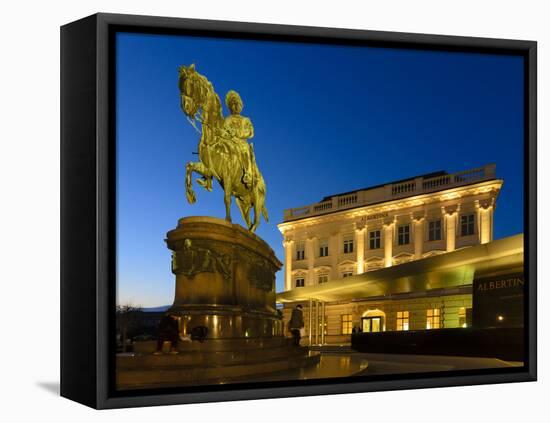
(296, 323)
(168, 331)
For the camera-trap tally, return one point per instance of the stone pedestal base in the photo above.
(225, 282)
(208, 363)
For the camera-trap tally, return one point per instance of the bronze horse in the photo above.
(219, 155)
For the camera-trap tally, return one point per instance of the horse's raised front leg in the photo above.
(206, 182)
(201, 169)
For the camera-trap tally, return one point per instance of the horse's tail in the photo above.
(264, 213)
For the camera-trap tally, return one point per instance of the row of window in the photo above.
(321, 278)
(433, 320)
(467, 228)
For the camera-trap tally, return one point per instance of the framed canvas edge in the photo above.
(312, 390)
(294, 31)
(78, 228)
(104, 196)
(530, 188)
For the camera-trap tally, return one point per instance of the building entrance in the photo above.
(372, 324)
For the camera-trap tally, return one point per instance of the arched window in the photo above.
(373, 321)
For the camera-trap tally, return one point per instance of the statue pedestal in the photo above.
(225, 281)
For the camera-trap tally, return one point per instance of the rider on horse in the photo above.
(240, 129)
(235, 133)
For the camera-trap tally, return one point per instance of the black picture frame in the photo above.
(88, 208)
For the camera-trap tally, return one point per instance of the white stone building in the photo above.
(374, 228)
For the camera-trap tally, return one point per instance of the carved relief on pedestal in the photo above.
(192, 257)
(259, 270)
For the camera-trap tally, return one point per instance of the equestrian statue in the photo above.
(224, 151)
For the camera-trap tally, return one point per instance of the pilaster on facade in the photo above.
(360, 241)
(333, 253)
(288, 246)
(388, 242)
(485, 210)
(450, 214)
(418, 220)
(310, 257)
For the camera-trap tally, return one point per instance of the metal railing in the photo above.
(393, 191)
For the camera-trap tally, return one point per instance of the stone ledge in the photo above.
(208, 375)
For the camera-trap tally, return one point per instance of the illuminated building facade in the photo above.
(382, 234)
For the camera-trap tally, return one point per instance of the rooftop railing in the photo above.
(393, 191)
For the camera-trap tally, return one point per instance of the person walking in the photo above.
(296, 323)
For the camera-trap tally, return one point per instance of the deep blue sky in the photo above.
(327, 119)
